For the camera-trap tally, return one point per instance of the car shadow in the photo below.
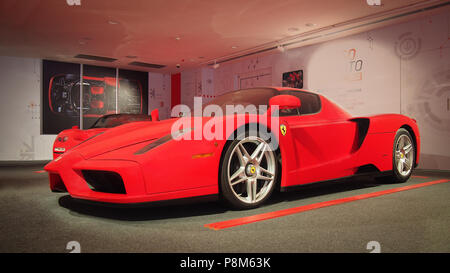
(158, 212)
(324, 188)
(142, 212)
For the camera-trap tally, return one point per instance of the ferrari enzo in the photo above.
(315, 140)
(72, 137)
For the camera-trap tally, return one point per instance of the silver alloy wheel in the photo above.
(251, 176)
(404, 155)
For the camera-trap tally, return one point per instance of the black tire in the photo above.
(228, 193)
(395, 176)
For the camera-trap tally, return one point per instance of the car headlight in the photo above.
(63, 139)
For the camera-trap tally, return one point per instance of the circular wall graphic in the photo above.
(433, 102)
(407, 46)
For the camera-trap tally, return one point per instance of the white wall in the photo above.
(191, 85)
(20, 104)
(159, 94)
(405, 69)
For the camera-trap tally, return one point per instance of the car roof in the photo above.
(279, 89)
(293, 89)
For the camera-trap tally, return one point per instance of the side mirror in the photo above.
(285, 102)
(155, 114)
(75, 127)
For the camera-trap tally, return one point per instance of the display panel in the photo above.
(105, 91)
(60, 96)
(133, 92)
(293, 79)
(99, 93)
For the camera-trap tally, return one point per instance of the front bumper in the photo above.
(65, 173)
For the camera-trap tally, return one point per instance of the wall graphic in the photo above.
(293, 79)
(407, 46)
(102, 94)
(60, 96)
(256, 78)
(133, 92)
(99, 93)
(426, 97)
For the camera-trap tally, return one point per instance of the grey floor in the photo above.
(33, 219)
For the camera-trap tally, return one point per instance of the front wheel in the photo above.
(248, 172)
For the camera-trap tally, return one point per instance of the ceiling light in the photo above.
(147, 65)
(293, 29)
(177, 38)
(95, 58)
(310, 24)
(111, 22)
(234, 47)
(215, 65)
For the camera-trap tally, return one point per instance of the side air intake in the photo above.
(363, 128)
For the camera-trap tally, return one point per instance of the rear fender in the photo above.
(380, 138)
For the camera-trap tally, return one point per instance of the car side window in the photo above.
(310, 104)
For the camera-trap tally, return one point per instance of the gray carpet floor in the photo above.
(33, 219)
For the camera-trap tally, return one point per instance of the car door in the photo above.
(322, 145)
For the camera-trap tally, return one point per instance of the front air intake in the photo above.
(104, 181)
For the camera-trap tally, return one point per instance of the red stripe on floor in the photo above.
(280, 213)
(41, 171)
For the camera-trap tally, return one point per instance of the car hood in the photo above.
(122, 136)
(81, 135)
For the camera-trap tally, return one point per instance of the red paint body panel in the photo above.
(74, 137)
(321, 146)
(70, 138)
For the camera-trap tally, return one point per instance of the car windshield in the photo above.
(111, 121)
(246, 97)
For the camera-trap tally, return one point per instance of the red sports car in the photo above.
(72, 137)
(312, 140)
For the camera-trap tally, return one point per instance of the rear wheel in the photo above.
(248, 172)
(403, 158)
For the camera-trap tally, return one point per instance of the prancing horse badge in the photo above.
(283, 129)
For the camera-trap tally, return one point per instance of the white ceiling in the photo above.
(186, 32)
